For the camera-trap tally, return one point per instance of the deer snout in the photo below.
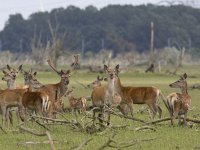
(3, 78)
(170, 85)
(111, 75)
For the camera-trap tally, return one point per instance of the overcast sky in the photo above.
(26, 7)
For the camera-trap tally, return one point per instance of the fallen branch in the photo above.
(31, 131)
(127, 117)
(158, 121)
(108, 142)
(3, 129)
(83, 144)
(167, 119)
(43, 125)
(144, 128)
(50, 140)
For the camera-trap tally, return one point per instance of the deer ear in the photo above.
(8, 67)
(98, 78)
(117, 67)
(4, 72)
(68, 72)
(20, 68)
(105, 67)
(35, 73)
(105, 79)
(185, 75)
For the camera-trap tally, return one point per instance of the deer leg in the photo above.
(153, 110)
(159, 111)
(185, 117)
(10, 117)
(3, 109)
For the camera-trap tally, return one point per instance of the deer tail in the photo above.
(45, 103)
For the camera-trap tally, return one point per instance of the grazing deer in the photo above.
(76, 103)
(179, 103)
(95, 83)
(106, 95)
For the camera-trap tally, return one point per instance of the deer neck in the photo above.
(62, 88)
(184, 89)
(11, 84)
(114, 86)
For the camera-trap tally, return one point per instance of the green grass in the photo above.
(166, 136)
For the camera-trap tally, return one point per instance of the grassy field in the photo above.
(164, 137)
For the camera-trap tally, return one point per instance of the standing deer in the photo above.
(105, 95)
(10, 77)
(179, 103)
(140, 95)
(58, 89)
(132, 95)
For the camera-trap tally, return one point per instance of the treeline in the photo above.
(115, 27)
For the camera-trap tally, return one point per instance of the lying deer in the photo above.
(108, 95)
(179, 103)
(76, 103)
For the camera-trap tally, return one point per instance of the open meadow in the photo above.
(124, 132)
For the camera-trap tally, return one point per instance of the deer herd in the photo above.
(46, 100)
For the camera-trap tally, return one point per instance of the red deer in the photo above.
(105, 95)
(179, 103)
(140, 95)
(76, 103)
(10, 76)
(129, 95)
(95, 83)
(59, 89)
(13, 98)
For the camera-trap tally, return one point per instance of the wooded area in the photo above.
(117, 28)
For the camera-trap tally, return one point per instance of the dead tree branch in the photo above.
(50, 140)
(84, 143)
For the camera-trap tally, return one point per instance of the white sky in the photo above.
(26, 7)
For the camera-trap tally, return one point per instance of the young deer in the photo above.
(106, 95)
(76, 103)
(179, 103)
(95, 83)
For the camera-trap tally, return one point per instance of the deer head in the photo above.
(12, 72)
(8, 76)
(96, 83)
(63, 74)
(30, 79)
(111, 73)
(180, 83)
